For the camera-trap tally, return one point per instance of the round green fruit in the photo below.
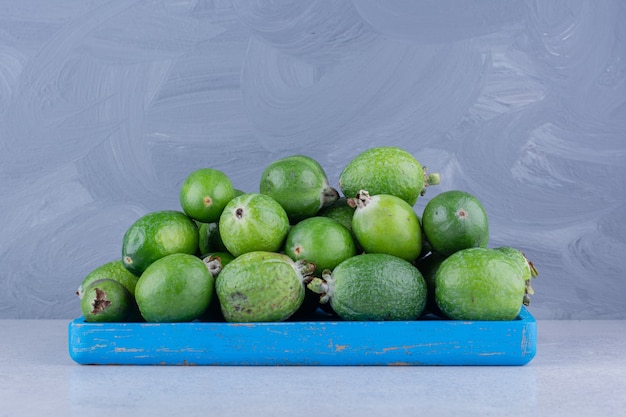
(373, 286)
(455, 220)
(480, 284)
(205, 193)
(156, 235)
(114, 270)
(386, 170)
(253, 222)
(320, 240)
(107, 300)
(261, 286)
(386, 224)
(299, 184)
(175, 288)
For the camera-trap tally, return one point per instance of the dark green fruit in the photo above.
(209, 239)
(175, 288)
(480, 284)
(114, 270)
(455, 220)
(156, 235)
(299, 184)
(386, 224)
(253, 222)
(320, 240)
(339, 211)
(428, 266)
(373, 287)
(261, 286)
(386, 170)
(205, 193)
(107, 300)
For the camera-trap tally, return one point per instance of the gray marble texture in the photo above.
(106, 107)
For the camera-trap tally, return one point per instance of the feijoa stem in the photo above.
(529, 289)
(306, 269)
(329, 195)
(361, 200)
(430, 179)
(323, 286)
(213, 264)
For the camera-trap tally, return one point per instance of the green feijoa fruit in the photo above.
(320, 240)
(209, 239)
(373, 286)
(299, 184)
(107, 300)
(455, 220)
(480, 284)
(261, 286)
(114, 270)
(386, 170)
(175, 288)
(428, 266)
(253, 222)
(339, 211)
(386, 224)
(156, 235)
(205, 193)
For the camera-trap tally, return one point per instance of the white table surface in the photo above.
(579, 370)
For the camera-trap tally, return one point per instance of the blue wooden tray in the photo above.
(316, 342)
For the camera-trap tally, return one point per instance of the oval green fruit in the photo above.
(261, 286)
(428, 266)
(175, 288)
(386, 170)
(114, 270)
(320, 240)
(106, 301)
(156, 235)
(386, 224)
(480, 284)
(373, 286)
(455, 220)
(204, 194)
(209, 239)
(299, 184)
(253, 222)
(339, 211)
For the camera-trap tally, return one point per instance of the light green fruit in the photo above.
(320, 240)
(299, 184)
(156, 235)
(205, 193)
(253, 222)
(114, 270)
(373, 287)
(480, 284)
(261, 286)
(386, 170)
(175, 288)
(106, 301)
(386, 224)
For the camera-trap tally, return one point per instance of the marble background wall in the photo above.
(106, 106)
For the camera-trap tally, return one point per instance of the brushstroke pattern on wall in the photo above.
(106, 106)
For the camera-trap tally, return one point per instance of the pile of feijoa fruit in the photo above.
(300, 249)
